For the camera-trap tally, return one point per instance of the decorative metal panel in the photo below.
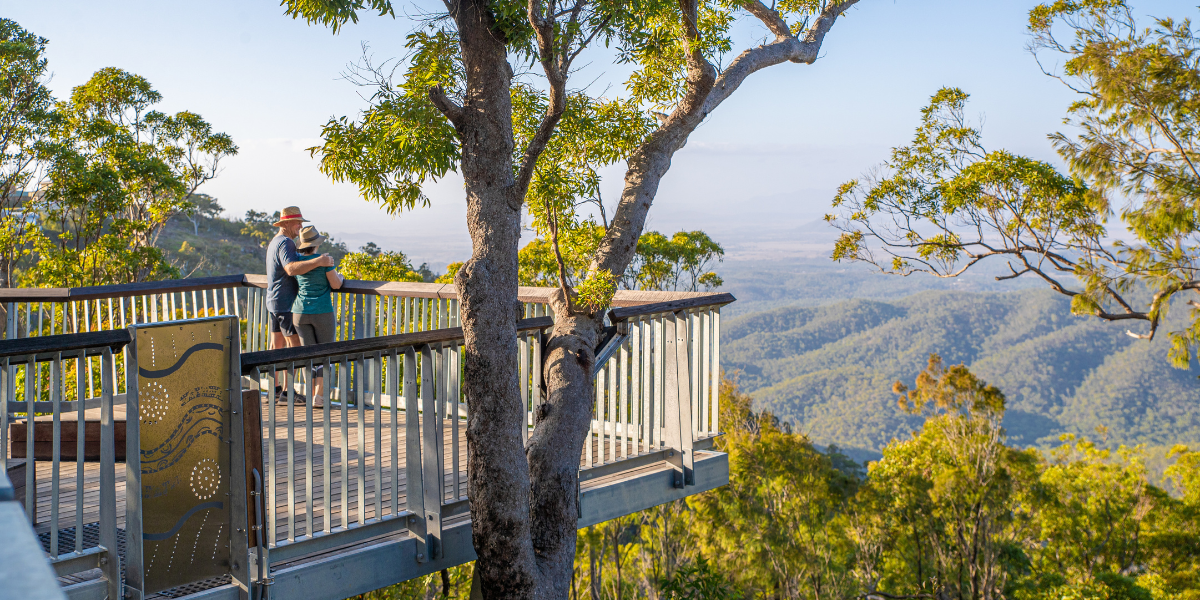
(184, 414)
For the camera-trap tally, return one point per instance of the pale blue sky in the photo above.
(765, 164)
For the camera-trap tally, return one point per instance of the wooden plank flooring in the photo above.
(351, 482)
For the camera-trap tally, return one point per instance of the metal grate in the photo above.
(192, 588)
(91, 539)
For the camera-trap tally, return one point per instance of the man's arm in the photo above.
(301, 267)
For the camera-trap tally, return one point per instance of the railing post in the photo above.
(108, 479)
(717, 373)
(55, 446)
(6, 394)
(9, 392)
(371, 374)
(414, 484)
(135, 581)
(677, 399)
(239, 514)
(251, 320)
(360, 326)
(685, 370)
(431, 456)
(251, 419)
(31, 374)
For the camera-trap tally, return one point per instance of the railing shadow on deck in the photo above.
(385, 456)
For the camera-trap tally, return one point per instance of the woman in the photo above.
(312, 312)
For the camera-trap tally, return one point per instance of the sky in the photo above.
(754, 176)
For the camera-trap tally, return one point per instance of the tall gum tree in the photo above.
(523, 141)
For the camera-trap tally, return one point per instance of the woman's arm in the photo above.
(335, 279)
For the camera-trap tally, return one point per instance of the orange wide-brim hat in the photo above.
(290, 214)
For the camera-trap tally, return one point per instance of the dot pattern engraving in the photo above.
(156, 403)
(206, 478)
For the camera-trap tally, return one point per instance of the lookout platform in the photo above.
(338, 517)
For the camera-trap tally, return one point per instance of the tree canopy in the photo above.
(680, 262)
(89, 181)
(946, 202)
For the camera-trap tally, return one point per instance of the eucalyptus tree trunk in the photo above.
(523, 498)
(498, 479)
(524, 501)
(523, 510)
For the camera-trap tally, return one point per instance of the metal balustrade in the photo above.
(398, 408)
(630, 411)
(387, 452)
(393, 409)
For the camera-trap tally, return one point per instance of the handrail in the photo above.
(49, 347)
(115, 291)
(252, 360)
(443, 291)
(448, 291)
(623, 313)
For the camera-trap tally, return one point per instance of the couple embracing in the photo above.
(299, 282)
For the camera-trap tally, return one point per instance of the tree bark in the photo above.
(497, 471)
(562, 423)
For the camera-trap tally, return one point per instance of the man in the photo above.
(283, 265)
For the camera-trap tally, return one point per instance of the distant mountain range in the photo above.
(811, 281)
(829, 368)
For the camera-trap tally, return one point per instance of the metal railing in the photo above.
(388, 445)
(70, 498)
(387, 451)
(634, 381)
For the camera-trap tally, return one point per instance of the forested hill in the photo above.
(830, 369)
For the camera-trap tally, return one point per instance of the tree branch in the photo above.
(555, 67)
(651, 160)
(562, 267)
(769, 17)
(449, 107)
(789, 48)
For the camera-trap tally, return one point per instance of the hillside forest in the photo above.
(828, 369)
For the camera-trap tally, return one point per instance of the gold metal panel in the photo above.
(183, 392)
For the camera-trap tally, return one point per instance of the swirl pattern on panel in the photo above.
(204, 417)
